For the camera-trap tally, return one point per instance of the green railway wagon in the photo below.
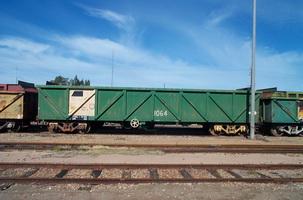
(75, 108)
(282, 112)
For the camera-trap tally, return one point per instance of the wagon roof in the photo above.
(273, 93)
(140, 89)
(21, 87)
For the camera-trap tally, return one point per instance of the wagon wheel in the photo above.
(301, 133)
(85, 130)
(51, 128)
(134, 123)
(16, 127)
(212, 131)
(276, 132)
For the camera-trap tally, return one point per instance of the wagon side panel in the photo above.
(53, 103)
(138, 105)
(230, 107)
(81, 104)
(11, 105)
(110, 105)
(166, 107)
(194, 107)
(284, 111)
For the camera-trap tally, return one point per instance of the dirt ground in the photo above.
(165, 135)
(150, 191)
(219, 191)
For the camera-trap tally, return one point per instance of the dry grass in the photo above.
(101, 150)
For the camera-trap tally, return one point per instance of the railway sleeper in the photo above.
(234, 174)
(185, 174)
(96, 173)
(30, 172)
(62, 173)
(154, 174)
(214, 173)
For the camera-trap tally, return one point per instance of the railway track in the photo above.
(45, 173)
(167, 148)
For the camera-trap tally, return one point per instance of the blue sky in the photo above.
(202, 44)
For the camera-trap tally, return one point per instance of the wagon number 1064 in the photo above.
(160, 113)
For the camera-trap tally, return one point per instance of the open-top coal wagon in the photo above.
(281, 112)
(77, 108)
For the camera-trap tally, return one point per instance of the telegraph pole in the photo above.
(253, 62)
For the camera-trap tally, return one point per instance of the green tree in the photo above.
(75, 81)
(87, 83)
(60, 80)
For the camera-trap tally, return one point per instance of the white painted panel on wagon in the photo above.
(82, 102)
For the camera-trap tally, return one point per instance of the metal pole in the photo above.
(17, 73)
(113, 56)
(252, 89)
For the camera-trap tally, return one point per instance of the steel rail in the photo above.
(147, 166)
(96, 181)
(168, 148)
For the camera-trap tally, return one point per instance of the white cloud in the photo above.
(218, 16)
(20, 44)
(132, 67)
(228, 56)
(231, 56)
(91, 58)
(124, 22)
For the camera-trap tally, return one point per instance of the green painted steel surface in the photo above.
(53, 103)
(282, 107)
(150, 105)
